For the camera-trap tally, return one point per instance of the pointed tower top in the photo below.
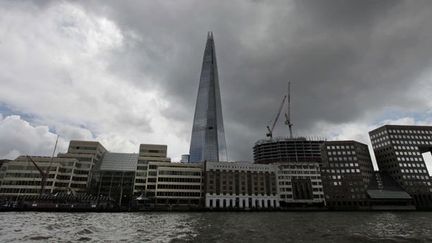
(208, 135)
(210, 35)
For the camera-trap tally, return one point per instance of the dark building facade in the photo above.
(300, 185)
(398, 150)
(346, 173)
(115, 177)
(240, 185)
(385, 194)
(208, 136)
(281, 150)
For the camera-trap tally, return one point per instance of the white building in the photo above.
(20, 177)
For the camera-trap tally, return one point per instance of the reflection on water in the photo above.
(217, 227)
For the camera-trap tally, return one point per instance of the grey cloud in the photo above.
(348, 60)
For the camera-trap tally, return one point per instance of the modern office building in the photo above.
(208, 136)
(184, 158)
(20, 177)
(148, 153)
(3, 161)
(398, 150)
(114, 177)
(89, 154)
(175, 185)
(300, 185)
(283, 150)
(347, 171)
(240, 185)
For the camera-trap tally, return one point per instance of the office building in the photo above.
(175, 185)
(282, 150)
(114, 177)
(89, 154)
(20, 177)
(3, 161)
(208, 136)
(184, 158)
(347, 171)
(300, 185)
(398, 150)
(240, 185)
(148, 153)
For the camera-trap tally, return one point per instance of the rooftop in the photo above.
(119, 162)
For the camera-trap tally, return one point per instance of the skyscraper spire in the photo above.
(208, 136)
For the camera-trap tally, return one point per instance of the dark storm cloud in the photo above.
(346, 59)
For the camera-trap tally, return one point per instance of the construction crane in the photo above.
(288, 114)
(270, 130)
(44, 174)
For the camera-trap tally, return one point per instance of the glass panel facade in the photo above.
(208, 136)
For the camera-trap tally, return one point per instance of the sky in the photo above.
(126, 72)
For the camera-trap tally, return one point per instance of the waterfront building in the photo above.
(240, 185)
(385, 194)
(20, 177)
(176, 185)
(148, 153)
(3, 161)
(114, 177)
(89, 154)
(208, 136)
(184, 158)
(300, 185)
(283, 150)
(398, 150)
(347, 171)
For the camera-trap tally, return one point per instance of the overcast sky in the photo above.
(127, 72)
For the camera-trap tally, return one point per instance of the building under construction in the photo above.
(286, 149)
(283, 150)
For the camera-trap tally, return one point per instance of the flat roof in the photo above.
(387, 194)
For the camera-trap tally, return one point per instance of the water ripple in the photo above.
(216, 227)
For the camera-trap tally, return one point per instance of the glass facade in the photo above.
(208, 136)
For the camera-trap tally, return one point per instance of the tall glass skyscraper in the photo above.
(208, 136)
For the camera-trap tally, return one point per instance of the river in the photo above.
(217, 227)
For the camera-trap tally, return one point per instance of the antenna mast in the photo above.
(288, 114)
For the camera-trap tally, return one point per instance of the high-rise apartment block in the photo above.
(398, 150)
(208, 136)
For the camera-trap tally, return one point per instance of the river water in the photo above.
(217, 227)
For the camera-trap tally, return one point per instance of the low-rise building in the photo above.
(20, 177)
(89, 154)
(148, 153)
(175, 184)
(114, 177)
(300, 185)
(385, 194)
(240, 185)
